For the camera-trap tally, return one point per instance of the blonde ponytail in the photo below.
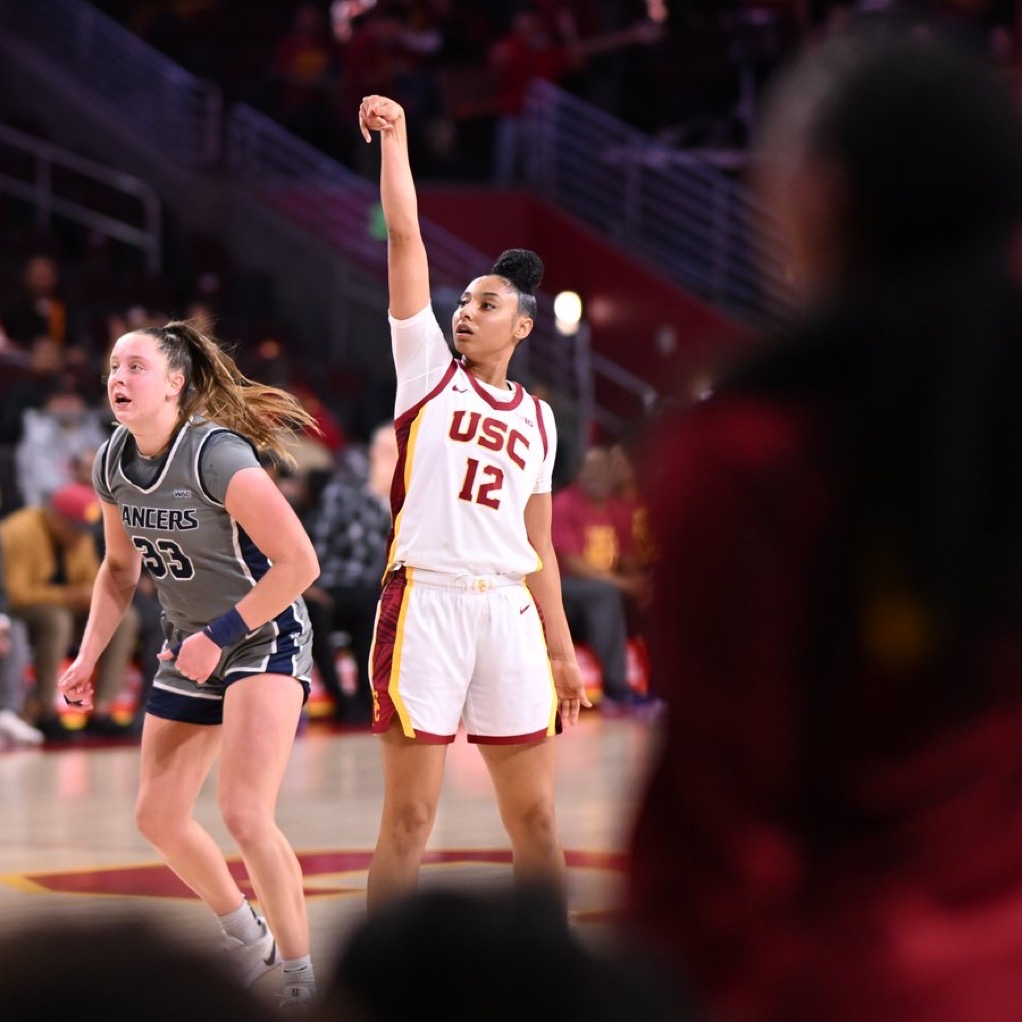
(216, 389)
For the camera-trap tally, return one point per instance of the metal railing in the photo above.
(639, 393)
(681, 215)
(50, 179)
(156, 98)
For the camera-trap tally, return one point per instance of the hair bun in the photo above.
(522, 267)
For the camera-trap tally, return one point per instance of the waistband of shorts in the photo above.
(467, 583)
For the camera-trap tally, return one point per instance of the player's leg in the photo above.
(413, 775)
(175, 760)
(511, 713)
(523, 779)
(261, 715)
(422, 659)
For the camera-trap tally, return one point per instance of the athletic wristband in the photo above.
(227, 628)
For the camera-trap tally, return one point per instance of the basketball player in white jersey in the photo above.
(186, 497)
(471, 631)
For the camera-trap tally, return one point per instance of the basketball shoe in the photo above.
(251, 961)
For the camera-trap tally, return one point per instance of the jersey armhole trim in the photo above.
(198, 464)
(409, 414)
(104, 464)
(542, 426)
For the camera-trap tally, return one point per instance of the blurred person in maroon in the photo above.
(531, 49)
(832, 824)
(604, 584)
(628, 490)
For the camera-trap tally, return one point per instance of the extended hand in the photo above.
(378, 113)
(571, 691)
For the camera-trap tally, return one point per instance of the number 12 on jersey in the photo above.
(482, 483)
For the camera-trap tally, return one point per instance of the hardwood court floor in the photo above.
(68, 844)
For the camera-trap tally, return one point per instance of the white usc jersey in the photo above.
(469, 458)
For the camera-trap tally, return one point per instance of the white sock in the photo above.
(298, 971)
(242, 923)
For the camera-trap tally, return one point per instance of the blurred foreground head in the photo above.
(501, 954)
(883, 151)
(891, 160)
(118, 970)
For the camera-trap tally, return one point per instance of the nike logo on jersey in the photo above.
(460, 390)
(525, 608)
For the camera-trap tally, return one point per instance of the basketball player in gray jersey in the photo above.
(184, 495)
(201, 561)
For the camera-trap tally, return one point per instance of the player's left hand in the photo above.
(571, 691)
(75, 684)
(196, 658)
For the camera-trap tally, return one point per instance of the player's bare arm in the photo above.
(545, 586)
(408, 268)
(111, 594)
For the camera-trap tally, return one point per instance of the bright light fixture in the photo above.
(567, 312)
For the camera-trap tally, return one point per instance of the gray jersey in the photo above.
(201, 561)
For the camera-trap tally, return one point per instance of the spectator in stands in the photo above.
(385, 54)
(625, 487)
(530, 49)
(40, 309)
(604, 585)
(303, 71)
(350, 533)
(50, 565)
(53, 438)
(832, 826)
(27, 381)
(14, 659)
(543, 45)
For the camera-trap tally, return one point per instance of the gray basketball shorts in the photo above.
(272, 649)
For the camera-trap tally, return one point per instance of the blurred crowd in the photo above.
(54, 342)
(687, 71)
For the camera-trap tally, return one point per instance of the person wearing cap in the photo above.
(50, 562)
(14, 658)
